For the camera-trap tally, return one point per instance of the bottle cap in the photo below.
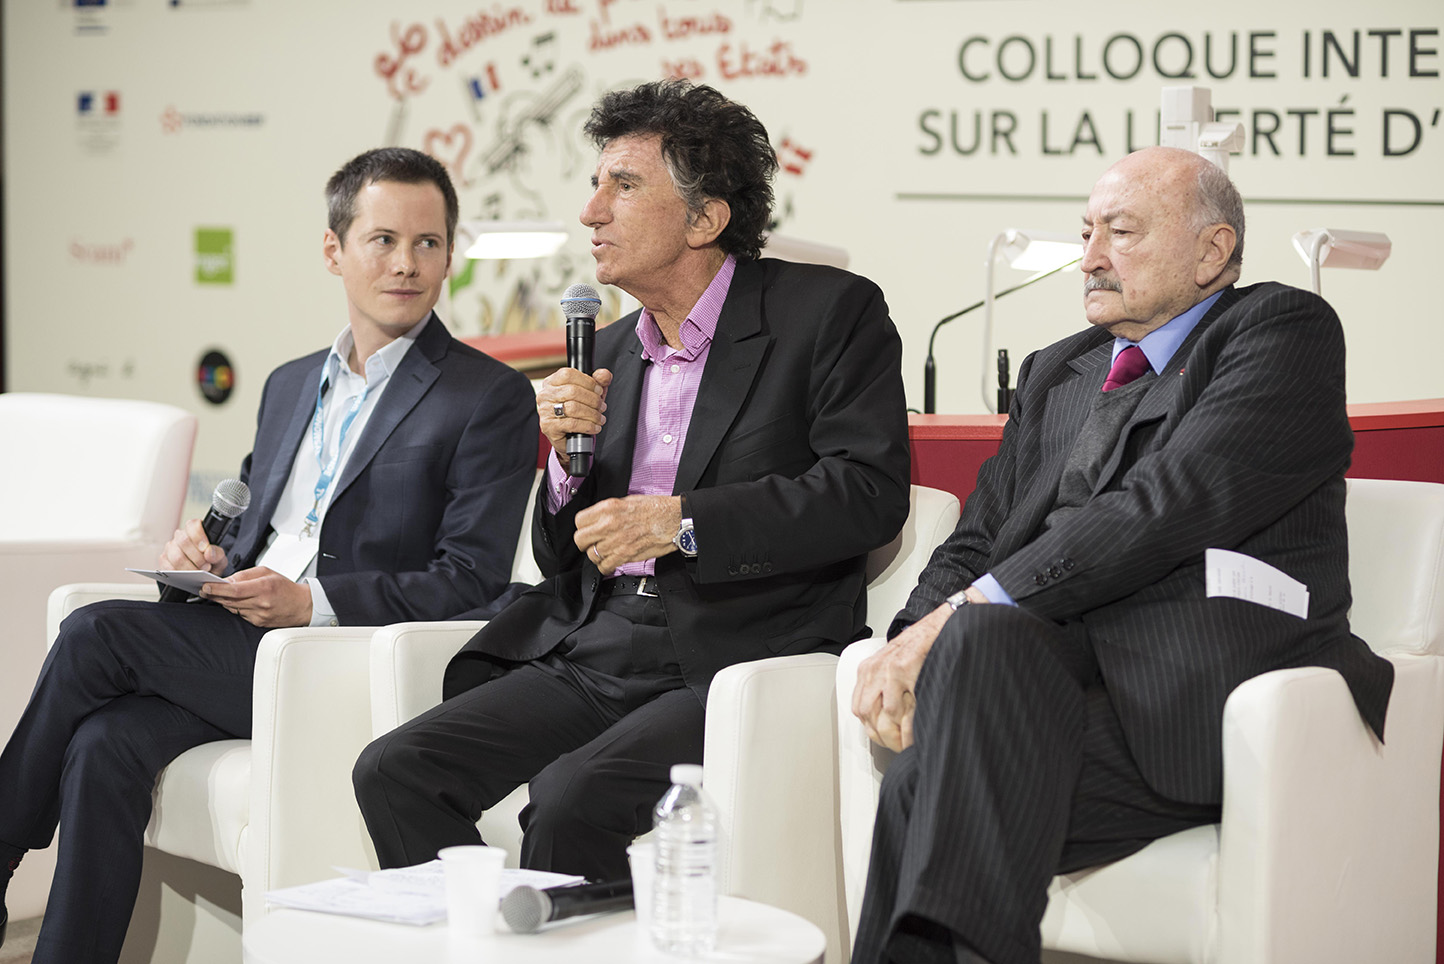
(689, 774)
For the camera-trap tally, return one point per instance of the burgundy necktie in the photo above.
(1130, 363)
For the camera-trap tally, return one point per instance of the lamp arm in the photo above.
(1316, 257)
(988, 299)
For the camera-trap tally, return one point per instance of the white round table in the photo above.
(748, 932)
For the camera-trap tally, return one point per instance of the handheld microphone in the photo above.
(580, 304)
(230, 499)
(526, 908)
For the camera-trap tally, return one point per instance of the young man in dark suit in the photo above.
(388, 483)
(1056, 682)
(751, 448)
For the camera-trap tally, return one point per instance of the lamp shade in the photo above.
(1345, 249)
(1337, 248)
(1039, 250)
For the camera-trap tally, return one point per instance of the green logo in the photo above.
(215, 257)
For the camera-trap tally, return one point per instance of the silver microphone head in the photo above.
(525, 909)
(231, 498)
(581, 299)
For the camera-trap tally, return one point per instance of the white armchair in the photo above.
(785, 856)
(234, 819)
(1328, 848)
(91, 486)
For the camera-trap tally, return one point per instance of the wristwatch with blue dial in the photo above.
(686, 539)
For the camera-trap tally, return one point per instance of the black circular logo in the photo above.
(215, 377)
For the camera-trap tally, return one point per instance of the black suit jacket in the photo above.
(1240, 444)
(427, 513)
(795, 466)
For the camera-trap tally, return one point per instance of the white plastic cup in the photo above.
(643, 859)
(473, 888)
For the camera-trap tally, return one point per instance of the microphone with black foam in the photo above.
(580, 304)
(230, 499)
(526, 908)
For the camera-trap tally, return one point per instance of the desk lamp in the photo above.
(1334, 248)
(1043, 252)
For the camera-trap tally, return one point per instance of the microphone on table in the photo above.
(526, 908)
(1005, 394)
(930, 367)
(580, 304)
(230, 499)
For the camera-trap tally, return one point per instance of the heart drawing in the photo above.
(450, 148)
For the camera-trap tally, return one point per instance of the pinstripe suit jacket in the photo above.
(1240, 444)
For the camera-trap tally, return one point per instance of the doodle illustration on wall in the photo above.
(500, 97)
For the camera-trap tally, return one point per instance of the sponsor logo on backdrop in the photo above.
(97, 120)
(215, 377)
(215, 256)
(174, 120)
(201, 4)
(101, 252)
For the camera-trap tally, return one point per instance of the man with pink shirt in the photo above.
(751, 448)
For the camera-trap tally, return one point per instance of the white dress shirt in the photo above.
(343, 388)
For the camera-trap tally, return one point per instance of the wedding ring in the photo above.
(557, 409)
(596, 556)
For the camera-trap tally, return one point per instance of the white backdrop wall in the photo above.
(911, 132)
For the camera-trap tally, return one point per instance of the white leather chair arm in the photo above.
(311, 719)
(770, 765)
(64, 600)
(407, 663)
(861, 764)
(1311, 796)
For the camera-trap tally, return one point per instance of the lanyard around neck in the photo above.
(318, 439)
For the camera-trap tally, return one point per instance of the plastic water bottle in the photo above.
(684, 894)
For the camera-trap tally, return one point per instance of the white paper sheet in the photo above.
(1243, 577)
(404, 895)
(190, 580)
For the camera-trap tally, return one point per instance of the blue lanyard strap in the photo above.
(318, 438)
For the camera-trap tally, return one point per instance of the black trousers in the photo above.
(594, 728)
(1019, 771)
(125, 689)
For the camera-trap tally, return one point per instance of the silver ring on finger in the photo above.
(557, 409)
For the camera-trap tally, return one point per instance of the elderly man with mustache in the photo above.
(1056, 682)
